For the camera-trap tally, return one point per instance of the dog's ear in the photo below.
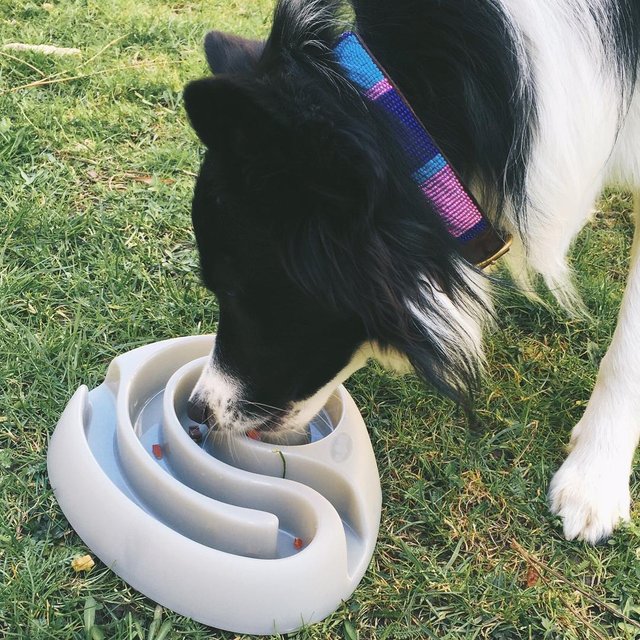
(227, 53)
(227, 117)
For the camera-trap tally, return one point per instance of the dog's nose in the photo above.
(197, 410)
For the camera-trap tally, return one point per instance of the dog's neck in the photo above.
(477, 239)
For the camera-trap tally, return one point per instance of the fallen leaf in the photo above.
(533, 577)
(82, 563)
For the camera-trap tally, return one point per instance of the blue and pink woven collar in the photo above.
(478, 241)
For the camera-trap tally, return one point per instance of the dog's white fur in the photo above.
(588, 136)
(591, 490)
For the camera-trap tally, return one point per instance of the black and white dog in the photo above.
(322, 254)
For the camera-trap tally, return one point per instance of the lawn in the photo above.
(97, 256)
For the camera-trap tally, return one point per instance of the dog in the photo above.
(323, 254)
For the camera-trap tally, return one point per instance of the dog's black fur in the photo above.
(626, 41)
(310, 231)
(309, 228)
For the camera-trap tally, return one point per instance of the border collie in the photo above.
(323, 253)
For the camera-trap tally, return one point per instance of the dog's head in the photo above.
(318, 246)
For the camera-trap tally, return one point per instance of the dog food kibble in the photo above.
(195, 434)
(157, 451)
(253, 434)
(297, 543)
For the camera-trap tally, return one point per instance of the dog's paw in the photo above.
(591, 497)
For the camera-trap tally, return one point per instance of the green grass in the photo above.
(97, 256)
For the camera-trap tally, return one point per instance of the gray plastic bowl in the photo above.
(209, 530)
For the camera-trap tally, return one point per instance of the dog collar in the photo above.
(478, 240)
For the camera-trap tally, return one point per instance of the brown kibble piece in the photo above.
(157, 451)
(195, 434)
(297, 543)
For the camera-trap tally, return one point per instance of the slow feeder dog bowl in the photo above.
(238, 534)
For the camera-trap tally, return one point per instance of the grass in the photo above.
(97, 256)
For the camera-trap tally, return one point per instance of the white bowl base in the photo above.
(209, 530)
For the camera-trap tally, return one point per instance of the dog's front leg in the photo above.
(590, 491)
